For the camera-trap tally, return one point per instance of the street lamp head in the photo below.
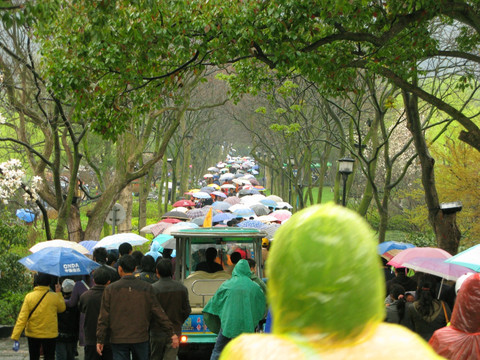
(345, 165)
(451, 207)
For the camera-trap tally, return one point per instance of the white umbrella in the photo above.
(469, 258)
(284, 205)
(274, 198)
(228, 186)
(114, 241)
(241, 181)
(267, 218)
(59, 243)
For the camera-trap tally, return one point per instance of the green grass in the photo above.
(327, 194)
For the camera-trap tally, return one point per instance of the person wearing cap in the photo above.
(68, 326)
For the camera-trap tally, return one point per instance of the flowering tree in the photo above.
(12, 179)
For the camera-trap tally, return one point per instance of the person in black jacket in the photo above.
(128, 307)
(89, 305)
(401, 278)
(66, 345)
(173, 297)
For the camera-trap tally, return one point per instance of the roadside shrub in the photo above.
(10, 304)
(15, 281)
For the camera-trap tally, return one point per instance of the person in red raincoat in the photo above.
(461, 340)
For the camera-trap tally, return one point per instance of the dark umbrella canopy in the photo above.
(175, 215)
(260, 209)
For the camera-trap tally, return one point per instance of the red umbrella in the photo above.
(184, 203)
(171, 221)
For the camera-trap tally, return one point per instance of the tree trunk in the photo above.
(444, 226)
(74, 225)
(101, 209)
(145, 186)
(126, 200)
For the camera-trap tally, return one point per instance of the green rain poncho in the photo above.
(237, 306)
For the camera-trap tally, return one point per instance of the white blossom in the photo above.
(11, 175)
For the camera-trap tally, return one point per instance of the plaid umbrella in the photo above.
(194, 213)
(160, 228)
(232, 200)
(270, 230)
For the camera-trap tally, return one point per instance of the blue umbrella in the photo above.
(202, 195)
(269, 203)
(255, 224)
(244, 212)
(222, 217)
(382, 248)
(26, 215)
(59, 261)
(221, 205)
(88, 244)
(161, 239)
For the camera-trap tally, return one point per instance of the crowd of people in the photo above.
(132, 307)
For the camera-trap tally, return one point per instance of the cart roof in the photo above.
(215, 234)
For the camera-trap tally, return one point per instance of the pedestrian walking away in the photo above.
(173, 297)
(128, 306)
(38, 316)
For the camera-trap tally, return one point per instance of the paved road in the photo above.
(6, 352)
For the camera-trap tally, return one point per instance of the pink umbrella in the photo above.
(437, 267)
(282, 215)
(418, 252)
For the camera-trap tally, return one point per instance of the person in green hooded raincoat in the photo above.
(236, 308)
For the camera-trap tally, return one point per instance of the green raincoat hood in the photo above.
(237, 306)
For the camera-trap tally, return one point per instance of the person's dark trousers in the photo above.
(91, 353)
(48, 346)
(157, 346)
(65, 350)
(140, 351)
(221, 342)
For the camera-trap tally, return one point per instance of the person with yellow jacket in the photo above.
(38, 316)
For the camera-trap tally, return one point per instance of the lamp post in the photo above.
(271, 175)
(345, 168)
(264, 170)
(290, 164)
